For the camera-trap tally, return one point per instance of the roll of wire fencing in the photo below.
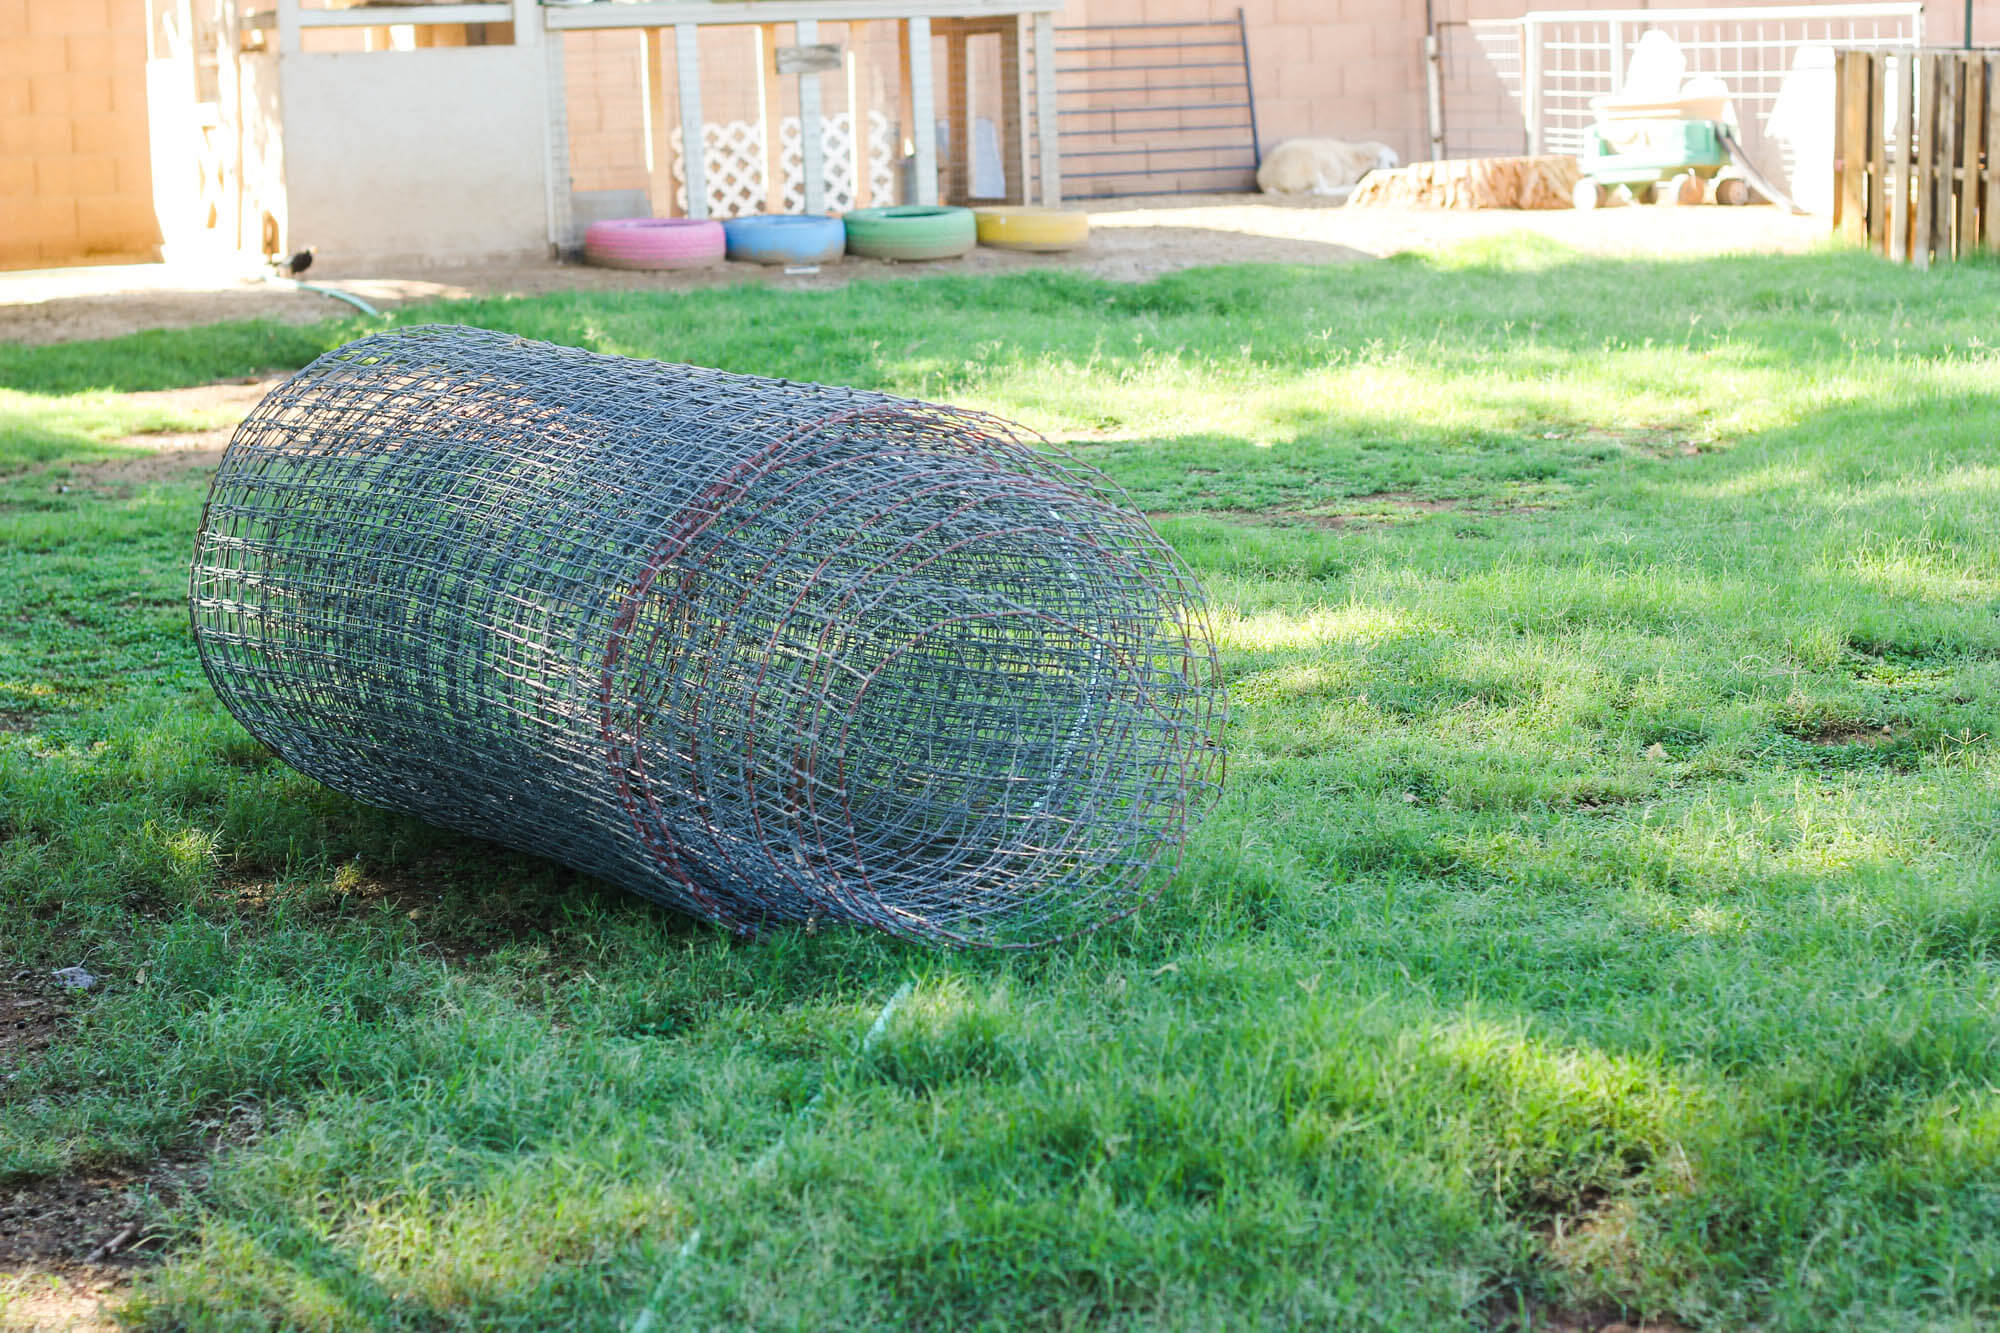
(758, 650)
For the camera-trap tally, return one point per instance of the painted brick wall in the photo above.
(607, 113)
(75, 175)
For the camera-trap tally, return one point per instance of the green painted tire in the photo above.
(911, 231)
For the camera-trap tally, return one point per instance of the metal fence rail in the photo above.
(1150, 108)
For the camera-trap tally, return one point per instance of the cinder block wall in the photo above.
(607, 112)
(75, 174)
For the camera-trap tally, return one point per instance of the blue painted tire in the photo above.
(786, 238)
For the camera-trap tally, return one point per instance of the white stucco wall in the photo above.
(412, 156)
(263, 148)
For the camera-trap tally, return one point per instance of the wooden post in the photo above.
(906, 142)
(1993, 154)
(923, 110)
(858, 113)
(1014, 103)
(1841, 212)
(1925, 147)
(770, 112)
(1851, 145)
(1943, 155)
(1045, 109)
(1971, 109)
(1531, 83)
(659, 156)
(694, 143)
(1879, 112)
(958, 115)
(1899, 180)
(812, 146)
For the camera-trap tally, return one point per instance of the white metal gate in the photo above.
(1525, 85)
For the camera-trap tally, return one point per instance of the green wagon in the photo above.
(1643, 155)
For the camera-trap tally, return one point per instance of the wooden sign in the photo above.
(820, 58)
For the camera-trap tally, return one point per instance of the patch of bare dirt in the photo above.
(34, 1008)
(1378, 509)
(70, 1244)
(1132, 240)
(1652, 443)
(1848, 733)
(235, 396)
(171, 455)
(426, 894)
(60, 1303)
(1551, 1320)
(1410, 500)
(167, 458)
(93, 1223)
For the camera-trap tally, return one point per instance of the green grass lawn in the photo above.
(1602, 918)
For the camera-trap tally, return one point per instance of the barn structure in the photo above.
(448, 132)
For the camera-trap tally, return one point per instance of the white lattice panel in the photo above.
(732, 164)
(881, 159)
(733, 158)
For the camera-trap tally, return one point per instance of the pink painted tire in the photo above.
(654, 242)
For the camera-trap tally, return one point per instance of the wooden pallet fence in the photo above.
(1917, 152)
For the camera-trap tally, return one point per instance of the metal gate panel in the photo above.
(1155, 108)
(1525, 85)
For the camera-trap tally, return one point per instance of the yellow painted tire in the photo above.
(1015, 228)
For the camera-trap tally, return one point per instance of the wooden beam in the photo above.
(555, 146)
(1014, 107)
(812, 147)
(1045, 110)
(1850, 145)
(1879, 115)
(694, 143)
(1971, 109)
(1905, 159)
(1839, 138)
(923, 111)
(672, 13)
(958, 116)
(858, 107)
(658, 131)
(1944, 156)
(1993, 154)
(422, 15)
(906, 143)
(528, 30)
(771, 116)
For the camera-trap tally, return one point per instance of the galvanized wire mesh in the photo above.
(761, 651)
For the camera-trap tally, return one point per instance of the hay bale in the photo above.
(1479, 182)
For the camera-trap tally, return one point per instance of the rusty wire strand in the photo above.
(758, 650)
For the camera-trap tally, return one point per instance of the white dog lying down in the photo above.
(1321, 166)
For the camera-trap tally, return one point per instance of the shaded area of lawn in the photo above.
(1602, 917)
